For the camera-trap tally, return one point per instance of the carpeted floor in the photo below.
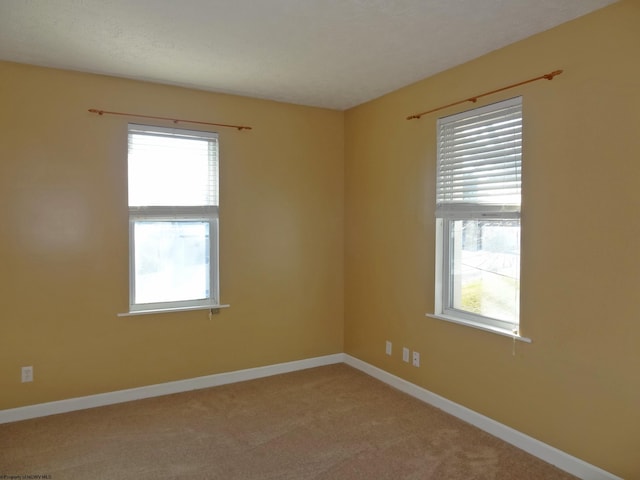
(329, 423)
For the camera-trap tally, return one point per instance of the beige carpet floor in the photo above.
(329, 423)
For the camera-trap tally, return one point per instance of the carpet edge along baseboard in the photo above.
(549, 454)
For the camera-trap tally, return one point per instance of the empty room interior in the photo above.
(328, 231)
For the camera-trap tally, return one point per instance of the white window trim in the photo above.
(140, 214)
(444, 215)
(480, 326)
(212, 308)
(207, 213)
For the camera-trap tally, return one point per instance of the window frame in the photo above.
(170, 213)
(444, 305)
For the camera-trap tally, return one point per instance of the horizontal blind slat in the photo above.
(505, 138)
(480, 155)
(172, 167)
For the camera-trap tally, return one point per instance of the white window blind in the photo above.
(480, 158)
(169, 167)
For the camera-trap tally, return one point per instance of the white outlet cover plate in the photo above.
(27, 374)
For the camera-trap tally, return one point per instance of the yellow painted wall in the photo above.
(64, 238)
(577, 386)
(287, 189)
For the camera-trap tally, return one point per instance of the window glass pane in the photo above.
(485, 267)
(171, 261)
(172, 171)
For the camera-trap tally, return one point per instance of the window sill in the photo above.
(479, 326)
(171, 310)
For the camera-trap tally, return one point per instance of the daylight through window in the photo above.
(173, 218)
(478, 216)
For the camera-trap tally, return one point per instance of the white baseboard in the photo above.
(120, 396)
(545, 452)
(549, 454)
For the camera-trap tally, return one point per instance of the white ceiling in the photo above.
(326, 53)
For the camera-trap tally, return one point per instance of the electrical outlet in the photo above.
(405, 354)
(27, 374)
(389, 348)
(416, 359)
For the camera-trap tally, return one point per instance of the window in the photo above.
(173, 219)
(478, 216)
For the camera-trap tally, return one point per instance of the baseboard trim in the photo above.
(549, 454)
(120, 396)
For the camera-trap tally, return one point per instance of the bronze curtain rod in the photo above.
(548, 76)
(174, 120)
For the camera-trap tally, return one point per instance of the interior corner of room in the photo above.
(327, 240)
